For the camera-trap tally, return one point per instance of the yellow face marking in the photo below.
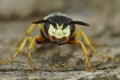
(59, 33)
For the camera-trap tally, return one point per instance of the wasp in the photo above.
(55, 28)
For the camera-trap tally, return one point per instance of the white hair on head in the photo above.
(55, 14)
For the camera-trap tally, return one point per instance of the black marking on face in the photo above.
(59, 19)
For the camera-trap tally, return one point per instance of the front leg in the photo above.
(85, 52)
(31, 46)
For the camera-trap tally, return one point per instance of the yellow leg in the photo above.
(29, 54)
(27, 33)
(85, 52)
(17, 52)
(31, 46)
(30, 29)
(90, 45)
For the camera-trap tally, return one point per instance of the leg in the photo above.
(90, 45)
(27, 33)
(29, 54)
(85, 52)
(17, 51)
(31, 28)
(31, 46)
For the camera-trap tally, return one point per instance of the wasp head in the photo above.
(59, 33)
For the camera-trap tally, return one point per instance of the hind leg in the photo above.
(82, 34)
